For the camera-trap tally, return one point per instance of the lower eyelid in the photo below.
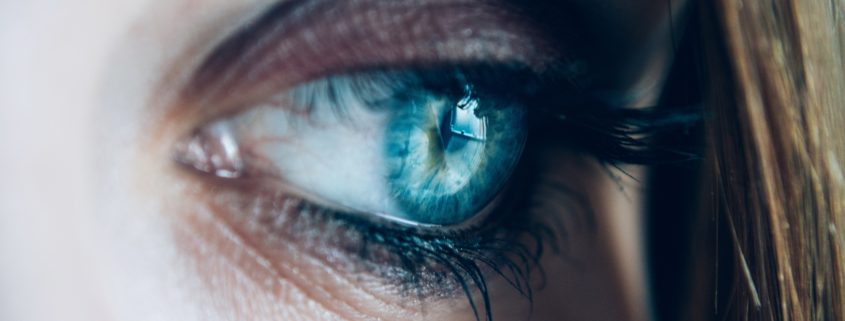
(283, 254)
(257, 215)
(273, 219)
(279, 222)
(273, 214)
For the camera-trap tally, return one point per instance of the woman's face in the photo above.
(322, 160)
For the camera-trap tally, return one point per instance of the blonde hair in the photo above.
(776, 146)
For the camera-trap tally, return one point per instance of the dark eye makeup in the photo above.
(494, 82)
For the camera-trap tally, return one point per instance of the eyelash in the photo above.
(506, 244)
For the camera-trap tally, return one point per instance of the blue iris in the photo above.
(448, 157)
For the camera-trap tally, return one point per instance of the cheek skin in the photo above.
(598, 274)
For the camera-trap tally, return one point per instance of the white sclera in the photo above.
(333, 156)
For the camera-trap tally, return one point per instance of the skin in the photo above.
(96, 223)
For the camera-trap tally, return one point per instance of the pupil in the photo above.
(448, 156)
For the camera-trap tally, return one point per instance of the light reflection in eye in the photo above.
(449, 157)
(380, 143)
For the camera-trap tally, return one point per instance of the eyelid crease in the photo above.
(297, 41)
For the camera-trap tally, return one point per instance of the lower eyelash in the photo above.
(467, 261)
(418, 264)
(509, 245)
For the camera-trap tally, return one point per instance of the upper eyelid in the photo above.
(300, 40)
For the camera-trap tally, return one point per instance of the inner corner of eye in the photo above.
(430, 160)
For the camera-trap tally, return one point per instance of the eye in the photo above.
(426, 148)
(449, 155)
(389, 139)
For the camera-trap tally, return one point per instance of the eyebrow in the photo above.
(299, 40)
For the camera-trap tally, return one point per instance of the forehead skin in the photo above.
(65, 63)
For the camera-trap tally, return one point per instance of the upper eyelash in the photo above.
(625, 136)
(614, 134)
